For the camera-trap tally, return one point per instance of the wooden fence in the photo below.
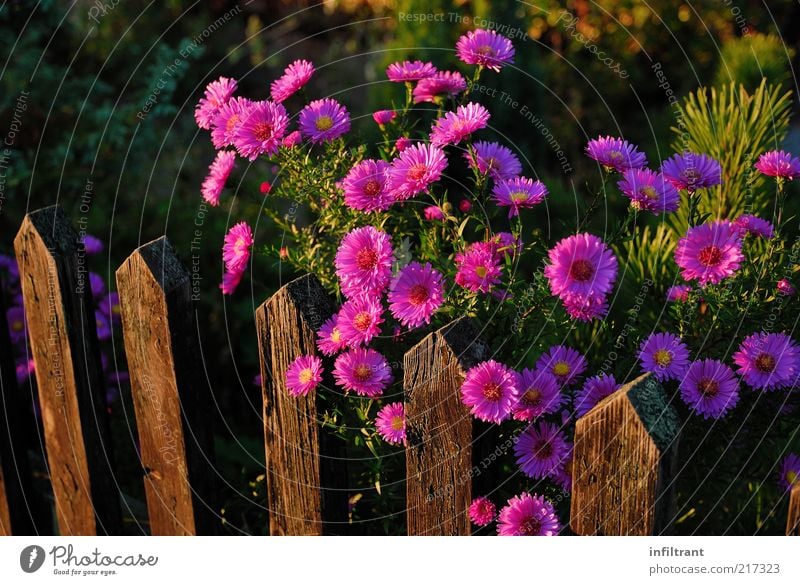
(624, 455)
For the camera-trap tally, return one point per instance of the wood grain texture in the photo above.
(61, 325)
(439, 428)
(306, 469)
(793, 517)
(164, 362)
(623, 464)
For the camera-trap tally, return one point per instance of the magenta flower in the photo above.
(478, 268)
(615, 154)
(710, 388)
(292, 139)
(365, 186)
(768, 361)
(664, 355)
(324, 120)
(679, 292)
(364, 261)
(789, 474)
(563, 362)
(294, 77)
(391, 423)
(330, 340)
(710, 252)
(363, 371)
(236, 247)
(23, 370)
(218, 174)
(415, 169)
(260, 130)
(490, 390)
(493, 159)
(649, 191)
(518, 193)
(402, 144)
(454, 127)
(585, 307)
(230, 281)
(691, 171)
(383, 117)
(540, 450)
(749, 224)
(593, 391)
(485, 48)
(786, 288)
(217, 93)
(415, 294)
(778, 163)
(438, 87)
(409, 71)
(303, 375)
(539, 394)
(226, 121)
(433, 213)
(581, 265)
(465, 205)
(482, 511)
(360, 320)
(528, 515)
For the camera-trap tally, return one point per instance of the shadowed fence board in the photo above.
(61, 325)
(163, 358)
(306, 471)
(624, 462)
(439, 467)
(793, 518)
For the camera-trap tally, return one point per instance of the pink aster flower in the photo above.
(482, 511)
(593, 391)
(664, 355)
(330, 340)
(360, 320)
(433, 213)
(363, 371)
(415, 169)
(260, 130)
(778, 163)
(218, 174)
(391, 423)
(409, 71)
(679, 292)
(236, 248)
(230, 281)
(465, 205)
(478, 268)
(563, 362)
(581, 264)
(438, 87)
(364, 261)
(24, 369)
(649, 191)
(490, 390)
(303, 375)
(691, 171)
(710, 252)
(539, 394)
(365, 186)
(226, 121)
(786, 288)
(540, 450)
(789, 473)
(217, 93)
(749, 224)
(292, 139)
(294, 77)
(383, 117)
(518, 193)
(415, 294)
(485, 48)
(493, 159)
(402, 143)
(585, 307)
(615, 153)
(528, 515)
(324, 120)
(710, 388)
(768, 361)
(454, 127)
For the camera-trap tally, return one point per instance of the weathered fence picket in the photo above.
(439, 466)
(306, 471)
(63, 339)
(623, 463)
(164, 363)
(793, 517)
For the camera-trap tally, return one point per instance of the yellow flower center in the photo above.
(791, 477)
(17, 326)
(305, 375)
(336, 335)
(324, 123)
(649, 192)
(397, 423)
(561, 369)
(663, 357)
(362, 372)
(481, 271)
(518, 196)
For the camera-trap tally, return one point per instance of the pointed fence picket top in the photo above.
(164, 363)
(624, 463)
(63, 337)
(793, 518)
(439, 430)
(306, 469)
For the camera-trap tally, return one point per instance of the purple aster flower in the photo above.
(303, 375)
(227, 120)
(324, 120)
(482, 511)
(454, 127)
(109, 306)
(710, 388)
(528, 515)
(364, 262)
(540, 450)
(383, 117)
(679, 292)
(581, 264)
(415, 169)
(17, 327)
(103, 326)
(9, 263)
(415, 294)
(24, 369)
(365, 186)
(409, 71)
(478, 268)
(294, 77)
(585, 307)
(490, 390)
(217, 93)
(493, 159)
(593, 391)
(649, 191)
(363, 371)
(260, 130)
(778, 163)
(97, 285)
(485, 48)
(786, 288)
(218, 174)
(518, 193)
(664, 355)
(615, 153)
(789, 474)
(768, 361)
(391, 423)
(539, 394)
(91, 245)
(563, 362)
(330, 340)
(749, 224)
(710, 252)
(438, 87)
(360, 320)
(692, 171)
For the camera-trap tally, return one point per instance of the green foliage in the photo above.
(749, 59)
